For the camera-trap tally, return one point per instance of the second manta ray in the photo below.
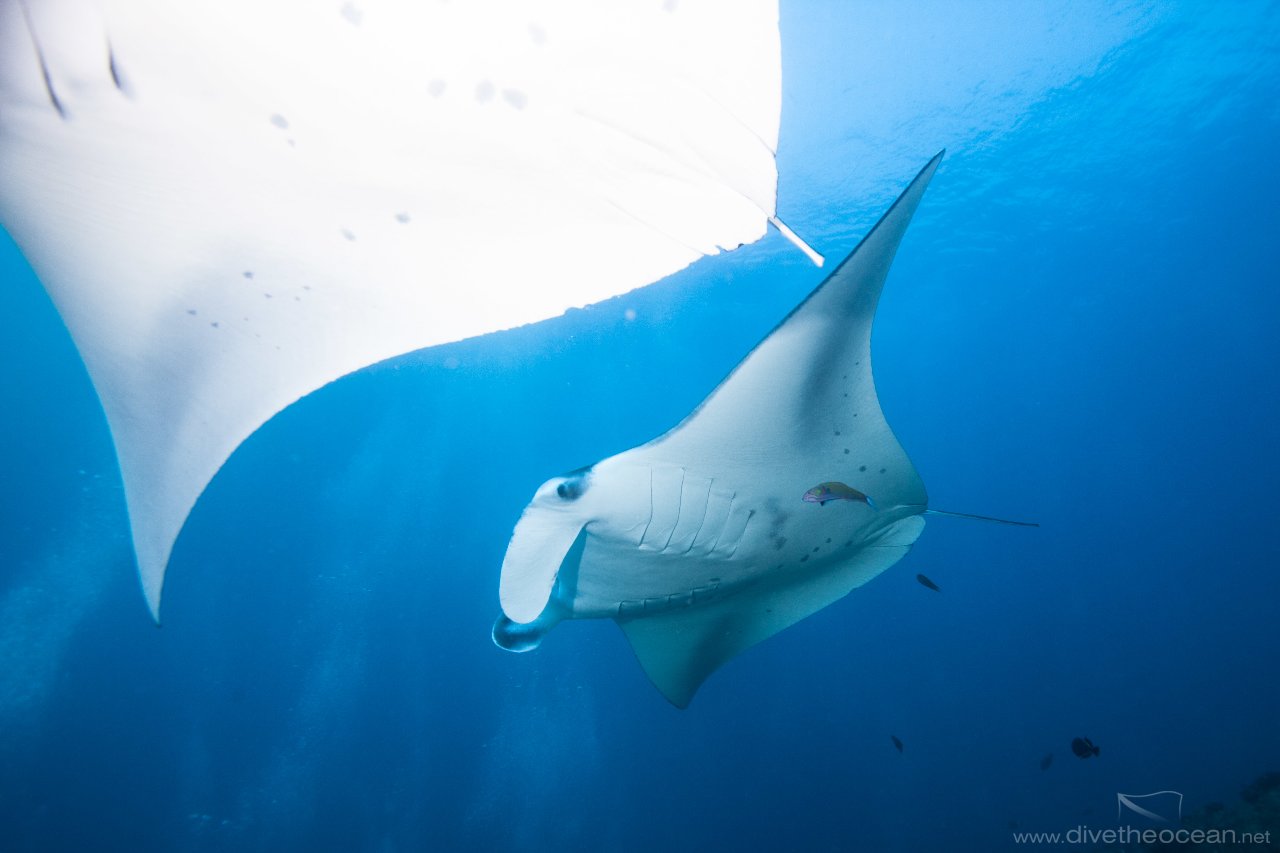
(702, 542)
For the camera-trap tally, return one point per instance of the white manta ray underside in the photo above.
(235, 202)
(701, 543)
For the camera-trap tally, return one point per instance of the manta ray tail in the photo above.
(800, 244)
(981, 518)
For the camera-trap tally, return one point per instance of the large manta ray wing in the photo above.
(234, 202)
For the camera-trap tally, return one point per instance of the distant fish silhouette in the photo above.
(1084, 748)
(1046, 761)
(896, 742)
(924, 581)
(824, 493)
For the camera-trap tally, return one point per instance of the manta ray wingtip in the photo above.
(152, 597)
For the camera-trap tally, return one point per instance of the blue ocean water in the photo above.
(1082, 328)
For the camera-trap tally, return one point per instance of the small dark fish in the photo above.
(1046, 761)
(896, 742)
(1084, 748)
(823, 493)
(924, 581)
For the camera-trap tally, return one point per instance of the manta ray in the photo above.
(232, 203)
(718, 534)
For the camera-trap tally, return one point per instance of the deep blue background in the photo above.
(1082, 328)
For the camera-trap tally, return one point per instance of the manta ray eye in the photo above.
(572, 488)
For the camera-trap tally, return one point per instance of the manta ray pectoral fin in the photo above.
(678, 649)
(324, 214)
(541, 542)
